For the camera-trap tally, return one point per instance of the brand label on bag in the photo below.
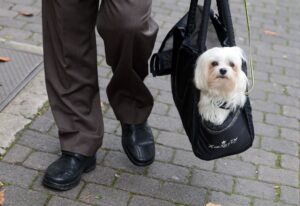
(224, 144)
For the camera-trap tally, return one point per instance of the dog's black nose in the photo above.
(223, 71)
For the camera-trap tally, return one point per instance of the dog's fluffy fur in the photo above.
(219, 76)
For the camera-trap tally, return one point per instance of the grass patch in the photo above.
(278, 161)
(277, 193)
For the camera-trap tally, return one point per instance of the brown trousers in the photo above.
(70, 61)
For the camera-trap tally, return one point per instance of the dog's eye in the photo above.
(214, 63)
(231, 64)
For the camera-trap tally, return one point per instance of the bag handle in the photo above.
(191, 18)
(225, 16)
(202, 36)
(191, 22)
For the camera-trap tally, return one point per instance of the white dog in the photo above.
(219, 76)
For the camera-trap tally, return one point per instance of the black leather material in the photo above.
(138, 143)
(65, 173)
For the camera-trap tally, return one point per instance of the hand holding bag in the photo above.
(198, 30)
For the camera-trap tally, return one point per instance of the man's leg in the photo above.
(72, 87)
(71, 73)
(129, 35)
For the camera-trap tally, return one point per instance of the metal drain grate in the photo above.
(15, 74)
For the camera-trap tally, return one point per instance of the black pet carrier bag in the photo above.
(199, 29)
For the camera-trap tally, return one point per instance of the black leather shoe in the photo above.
(138, 143)
(65, 173)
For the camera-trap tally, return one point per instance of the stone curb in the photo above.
(22, 109)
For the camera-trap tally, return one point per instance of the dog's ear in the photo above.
(241, 53)
(200, 73)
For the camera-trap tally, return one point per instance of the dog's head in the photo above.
(219, 71)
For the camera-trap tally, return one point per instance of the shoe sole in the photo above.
(134, 161)
(68, 186)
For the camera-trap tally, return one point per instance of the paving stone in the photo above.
(283, 100)
(293, 92)
(255, 189)
(40, 160)
(168, 172)
(5, 5)
(119, 160)
(285, 80)
(27, 9)
(33, 27)
(212, 180)
(15, 34)
(257, 116)
(173, 112)
(258, 95)
(174, 140)
(158, 83)
(163, 153)
(41, 142)
(70, 194)
(257, 156)
(280, 145)
(269, 87)
(256, 142)
(104, 196)
(266, 130)
(264, 106)
(182, 194)
(165, 123)
(17, 154)
(291, 111)
(24, 2)
(58, 201)
(279, 120)
(261, 75)
(142, 200)
(35, 39)
(103, 71)
(258, 202)
(16, 175)
(290, 195)
(100, 155)
(236, 168)
(138, 184)
(290, 134)
(48, 114)
(23, 197)
(188, 159)
(160, 108)
(42, 124)
(10, 22)
(53, 131)
(7, 13)
(285, 177)
(101, 175)
(228, 199)
(110, 125)
(290, 162)
(112, 142)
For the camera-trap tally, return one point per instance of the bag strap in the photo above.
(202, 36)
(225, 16)
(191, 22)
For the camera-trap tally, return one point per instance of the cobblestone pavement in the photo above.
(265, 175)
